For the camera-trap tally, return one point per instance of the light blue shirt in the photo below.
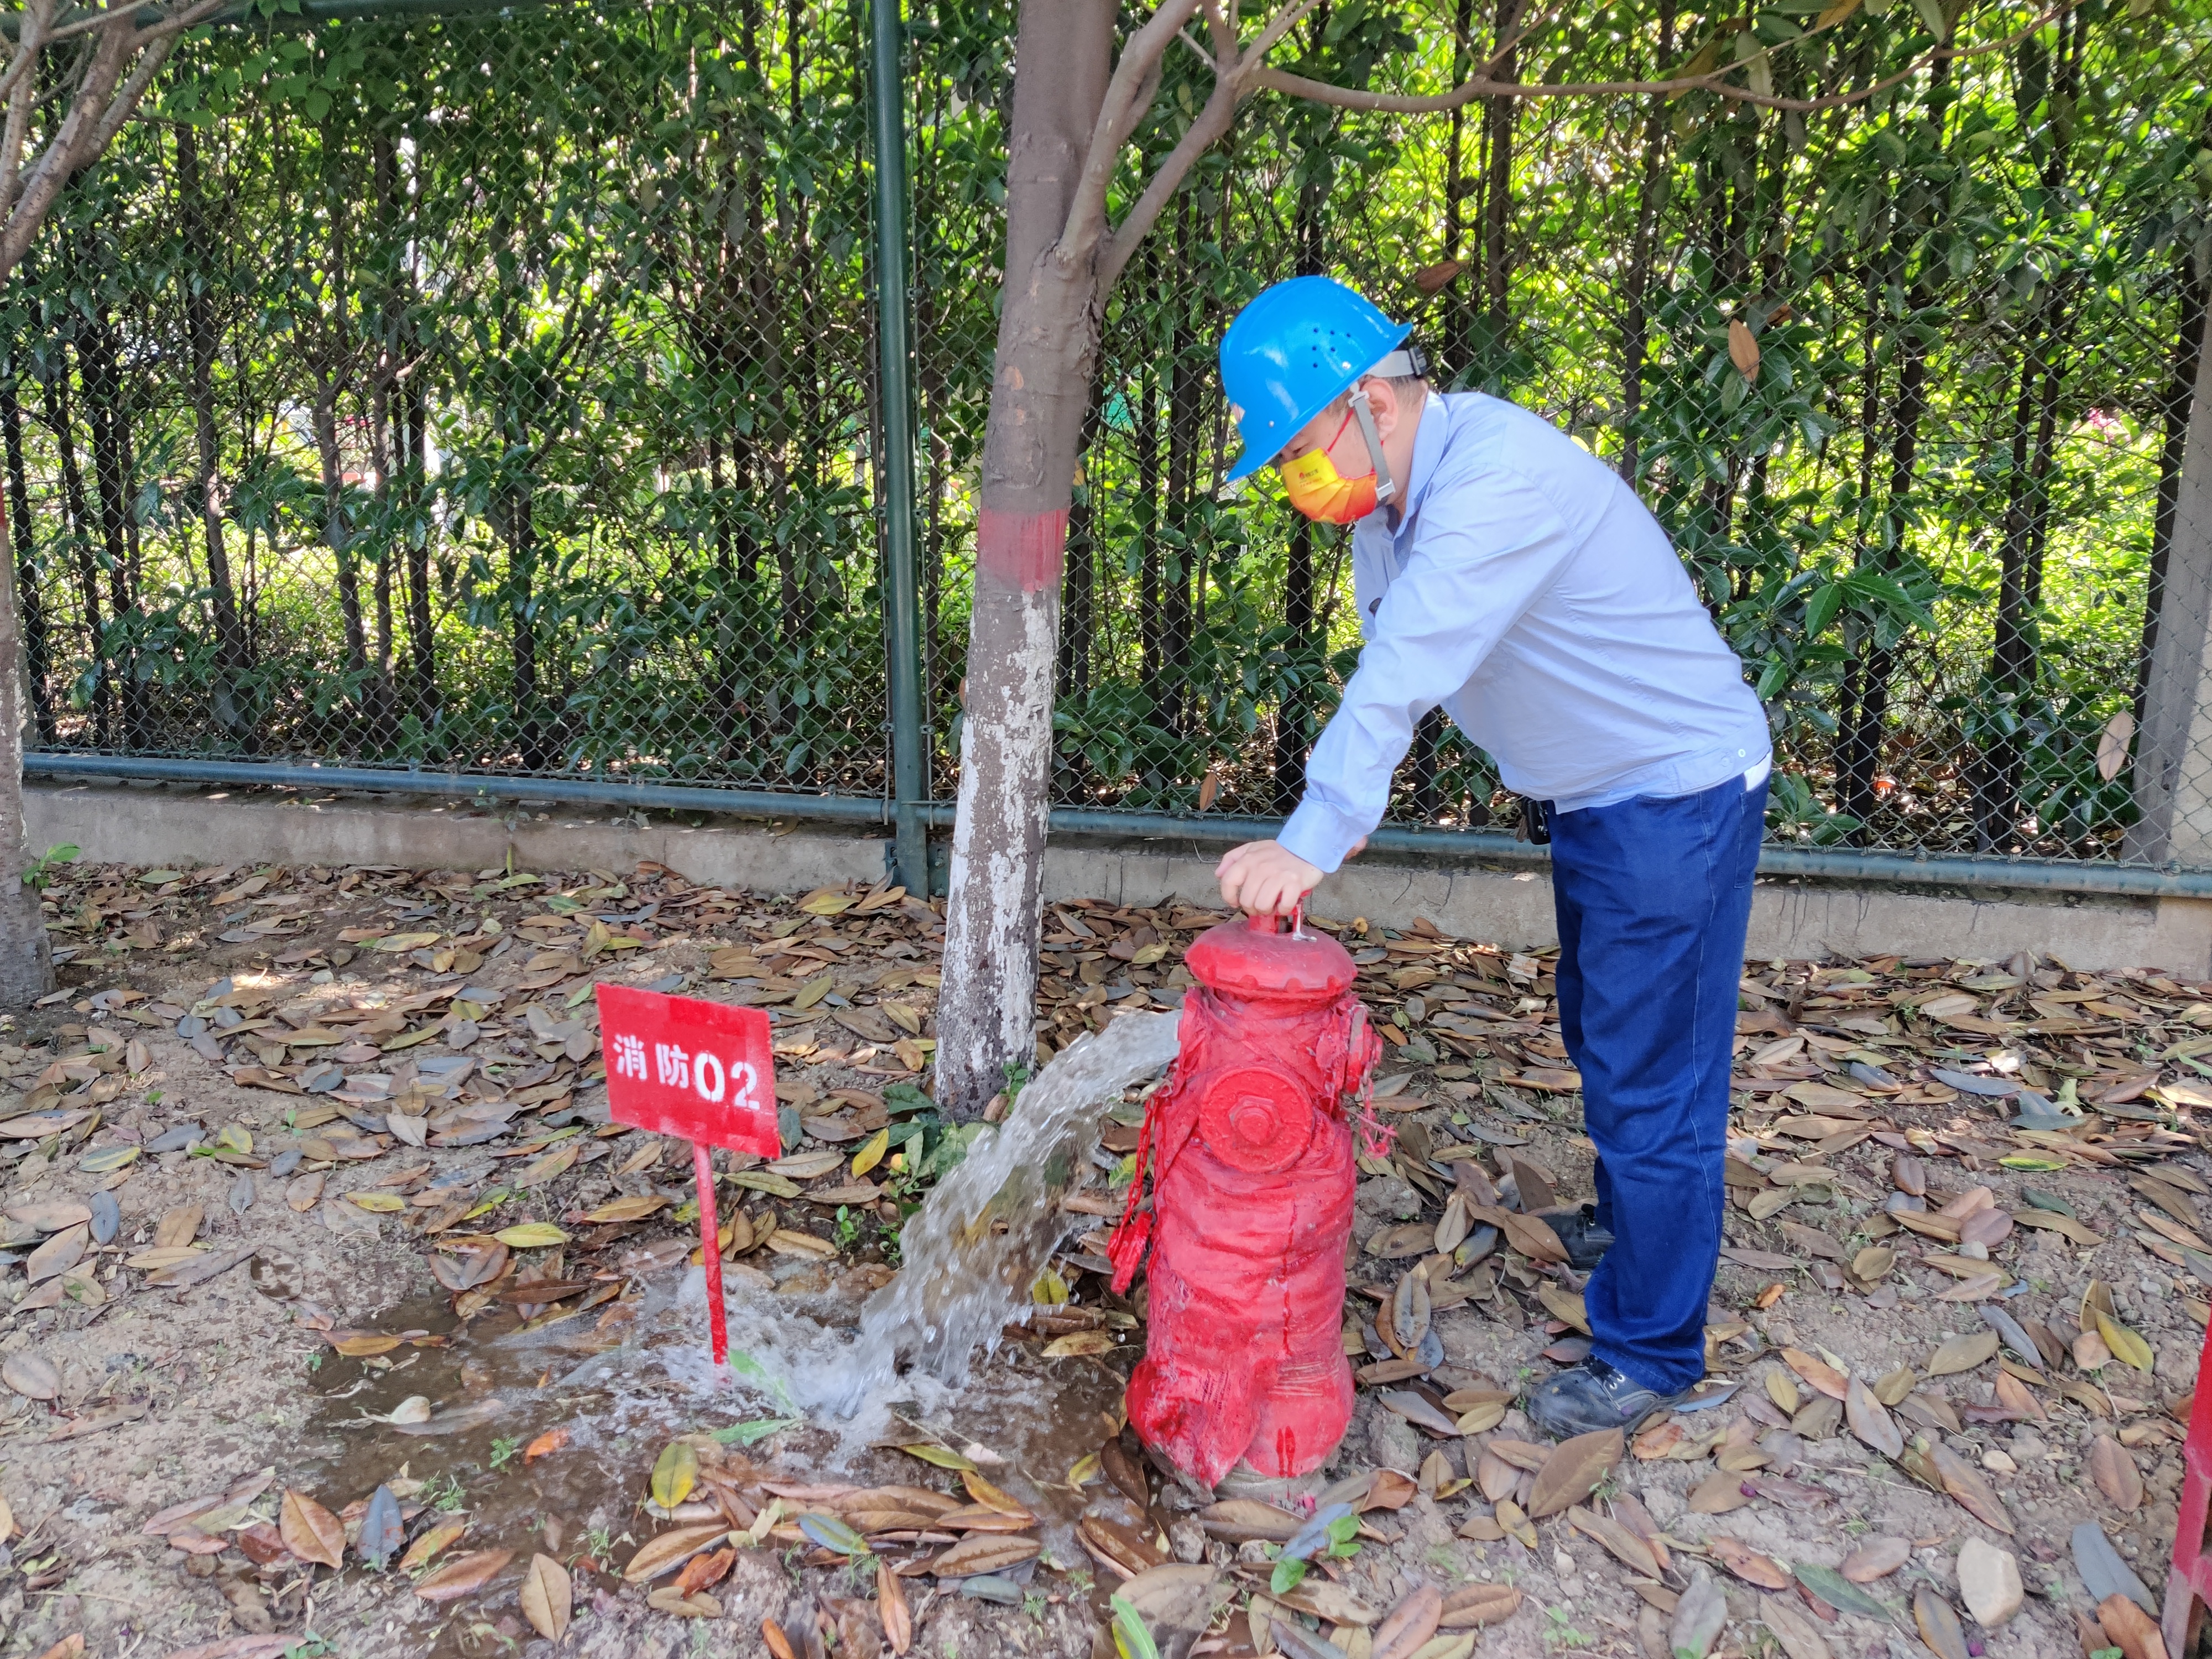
(1528, 592)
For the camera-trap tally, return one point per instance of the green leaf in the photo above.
(749, 1368)
(832, 1533)
(751, 1433)
(1820, 610)
(1286, 1578)
(1131, 1638)
(1838, 1591)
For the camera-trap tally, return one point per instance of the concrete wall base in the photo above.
(158, 824)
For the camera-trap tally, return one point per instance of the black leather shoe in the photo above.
(1586, 1398)
(1586, 1242)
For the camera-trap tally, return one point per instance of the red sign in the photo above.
(678, 1065)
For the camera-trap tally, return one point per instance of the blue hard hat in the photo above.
(1290, 352)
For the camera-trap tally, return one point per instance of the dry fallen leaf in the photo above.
(1870, 1422)
(1875, 1557)
(310, 1531)
(1717, 1494)
(545, 1598)
(1800, 1638)
(2112, 744)
(426, 1548)
(892, 1608)
(1939, 1624)
(1782, 1389)
(463, 1577)
(1624, 1546)
(1409, 1625)
(674, 1473)
(2125, 1343)
(1573, 1470)
(981, 1552)
(1974, 1493)
(1742, 349)
(1963, 1353)
(2113, 1469)
(31, 1374)
(2134, 1631)
(670, 1549)
(1471, 1606)
(1822, 1376)
(1747, 1564)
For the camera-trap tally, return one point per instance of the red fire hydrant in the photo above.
(1250, 1141)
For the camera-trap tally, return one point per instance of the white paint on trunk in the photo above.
(997, 849)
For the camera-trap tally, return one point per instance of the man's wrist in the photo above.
(1321, 835)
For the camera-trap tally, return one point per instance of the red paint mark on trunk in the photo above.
(1022, 549)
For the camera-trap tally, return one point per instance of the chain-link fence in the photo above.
(499, 393)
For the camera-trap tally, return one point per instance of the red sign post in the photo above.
(702, 1071)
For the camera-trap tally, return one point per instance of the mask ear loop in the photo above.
(1385, 489)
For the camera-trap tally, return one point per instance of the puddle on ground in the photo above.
(845, 1367)
(623, 1396)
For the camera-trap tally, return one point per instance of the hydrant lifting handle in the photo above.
(1266, 923)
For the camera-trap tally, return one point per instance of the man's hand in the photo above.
(1264, 878)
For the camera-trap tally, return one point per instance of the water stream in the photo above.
(971, 1253)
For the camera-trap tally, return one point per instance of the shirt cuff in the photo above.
(1321, 834)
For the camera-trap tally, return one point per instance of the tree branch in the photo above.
(1198, 137)
(1136, 73)
(87, 107)
(157, 41)
(1481, 86)
(30, 42)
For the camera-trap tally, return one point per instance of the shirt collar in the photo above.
(1429, 438)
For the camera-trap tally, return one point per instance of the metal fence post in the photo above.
(902, 595)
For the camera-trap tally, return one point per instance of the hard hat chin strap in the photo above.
(1385, 489)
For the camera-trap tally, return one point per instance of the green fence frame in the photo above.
(911, 811)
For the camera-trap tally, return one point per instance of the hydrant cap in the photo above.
(1250, 959)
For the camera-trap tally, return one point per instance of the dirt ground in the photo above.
(290, 1307)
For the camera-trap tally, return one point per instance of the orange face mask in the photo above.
(1318, 489)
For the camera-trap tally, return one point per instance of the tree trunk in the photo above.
(2189, 343)
(232, 711)
(337, 536)
(38, 651)
(1186, 363)
(1455, 330)
(2018, 644)
(1861, 746)
(1145, 433)
(61, 422)
(27, 961)
(1498, 193)
(98, 349)
(522, 582)
(2173, 757)
(1635, 321)
(421, 629)
(1996, 766)
(1048, 337)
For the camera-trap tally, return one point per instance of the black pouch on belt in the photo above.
(1535, 822)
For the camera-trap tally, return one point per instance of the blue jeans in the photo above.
(1654, 897)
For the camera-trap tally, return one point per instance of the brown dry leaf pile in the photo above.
(1959, 1302)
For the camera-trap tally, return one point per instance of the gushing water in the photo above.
(971, 1253)
(976, 1249)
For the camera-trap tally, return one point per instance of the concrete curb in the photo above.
(159, 824)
